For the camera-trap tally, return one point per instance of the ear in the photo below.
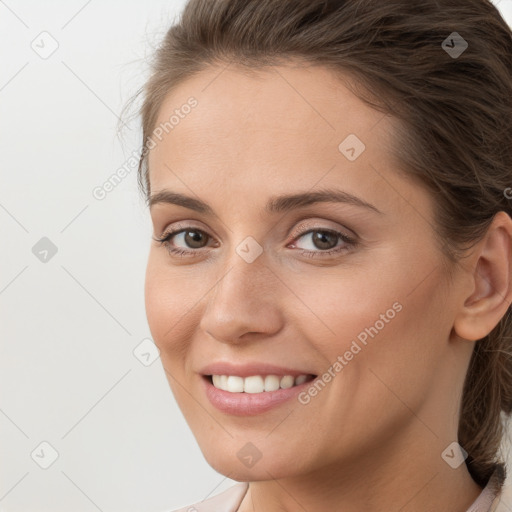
(491, 282)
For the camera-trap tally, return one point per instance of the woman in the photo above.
(329, 283)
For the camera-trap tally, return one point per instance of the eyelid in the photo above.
(303, 227)
(182, 226)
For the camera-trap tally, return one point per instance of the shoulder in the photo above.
(227, 501)
(490, 499)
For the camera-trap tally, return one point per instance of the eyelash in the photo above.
(349, 241)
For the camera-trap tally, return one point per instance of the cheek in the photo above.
(170, 299)
(167, 306)
(390, 314)
(389, 333)
(336, 306)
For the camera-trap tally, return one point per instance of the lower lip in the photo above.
(249, 404)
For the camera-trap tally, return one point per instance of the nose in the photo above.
(245, 300)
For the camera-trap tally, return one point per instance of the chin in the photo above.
(237, 464)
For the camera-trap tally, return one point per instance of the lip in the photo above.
(249, 404)
(249, 369)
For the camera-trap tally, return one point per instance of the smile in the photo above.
(257, 383)
(257, 399)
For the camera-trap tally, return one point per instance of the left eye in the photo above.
(323, 239)
(324, 243)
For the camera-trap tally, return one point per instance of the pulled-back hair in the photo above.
(454, 125)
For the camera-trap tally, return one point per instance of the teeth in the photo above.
(272, 383)
(256, 383)
(300, 379)
(287, 382)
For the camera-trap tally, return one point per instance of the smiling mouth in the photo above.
(257, 383)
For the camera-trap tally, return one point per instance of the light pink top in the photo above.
(230, 499)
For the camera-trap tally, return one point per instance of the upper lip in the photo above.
(248, 369)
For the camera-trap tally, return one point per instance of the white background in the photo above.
(69, 326)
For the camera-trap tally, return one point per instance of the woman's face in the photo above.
(268, 280)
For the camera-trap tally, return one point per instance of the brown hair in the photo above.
(454, 133)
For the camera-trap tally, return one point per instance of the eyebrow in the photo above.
(275, 204)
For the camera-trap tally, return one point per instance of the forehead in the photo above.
(270, 131)
(290, 102)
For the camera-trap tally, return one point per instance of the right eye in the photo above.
(190, 237)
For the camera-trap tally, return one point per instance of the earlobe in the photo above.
(491, 278)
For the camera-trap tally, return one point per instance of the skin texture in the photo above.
(372, 439)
